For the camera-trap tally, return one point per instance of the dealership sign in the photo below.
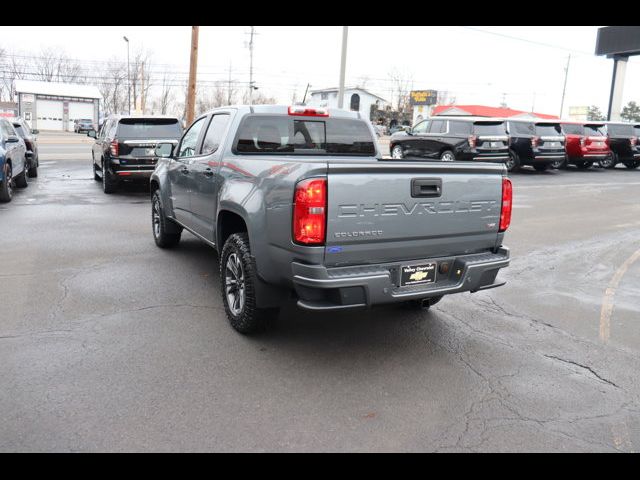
(423, 97)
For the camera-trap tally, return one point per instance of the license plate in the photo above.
(418, 274)
(495, 144)
(552, 144)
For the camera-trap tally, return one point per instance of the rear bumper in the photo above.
(541, 157)
(321, 288)
(491, 158)
(130, 171)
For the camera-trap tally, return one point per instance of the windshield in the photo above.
(548, 130)
(572, 129)
(489, 128)
(270, 134)
(594, 130)
(149, 128)
(621, 130)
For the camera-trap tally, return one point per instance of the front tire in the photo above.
(238, 279)
(6, 190)
(397, 153)
(166, 233)
(21, 180)
(582, 165)
(447, 156)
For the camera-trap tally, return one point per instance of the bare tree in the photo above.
(166, 95)
(258, 98)
(14, 67)
(401, 85)
(52, 65)
(140, 68)
(113, 87)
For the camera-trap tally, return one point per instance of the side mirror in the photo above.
(164, 150)
(91, 133)
(35, 132)
(12, 139)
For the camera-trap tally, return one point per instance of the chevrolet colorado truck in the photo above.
(299, 201)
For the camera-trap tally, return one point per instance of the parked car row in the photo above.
(542, 144)
(18, 156)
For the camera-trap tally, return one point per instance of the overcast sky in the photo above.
(479, 65)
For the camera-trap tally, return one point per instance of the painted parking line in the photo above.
(609, 295)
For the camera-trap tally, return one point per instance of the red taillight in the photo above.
(114, 148)
(310, 211)
(535, 141)
(472, 141)
(308, 111)
(507, 199)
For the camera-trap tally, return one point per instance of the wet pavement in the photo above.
(109, 343)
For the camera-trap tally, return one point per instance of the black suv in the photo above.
(453, 138)
(124, 149)
(30, 142)
(540, 144)
(623, 141)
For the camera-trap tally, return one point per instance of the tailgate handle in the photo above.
(426, 187)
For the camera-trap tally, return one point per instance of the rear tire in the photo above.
(109, 185)
(609, 162)
(513, 164)
(166, 233)
(6, 192)
(33, 170)
(238, 279)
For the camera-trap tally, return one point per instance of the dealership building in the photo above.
(54, 106)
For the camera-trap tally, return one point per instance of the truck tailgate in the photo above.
(391, 211)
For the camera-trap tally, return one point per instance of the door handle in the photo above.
(426, 187)
(208, 172)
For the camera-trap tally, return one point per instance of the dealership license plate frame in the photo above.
(406, 271)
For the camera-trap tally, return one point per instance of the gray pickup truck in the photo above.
(300, 201)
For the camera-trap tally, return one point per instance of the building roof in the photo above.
(56, 88)
(321, 90)
(485, 111)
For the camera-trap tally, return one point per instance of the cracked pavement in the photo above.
(108, 343)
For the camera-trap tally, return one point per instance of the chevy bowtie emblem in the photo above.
(418, 276)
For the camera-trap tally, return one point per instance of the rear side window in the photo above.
(548, 130)
(621, 130)
(215, 132)
(459, 128)
(20, 130)
(572, 129)
(149, 128)
(594, 130)
(270, 134)
(489, 128)
(521, 128)
(437, 126)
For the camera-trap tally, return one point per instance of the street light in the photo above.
(128, 75)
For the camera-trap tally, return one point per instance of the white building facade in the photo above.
(355, 99)
(55, 106)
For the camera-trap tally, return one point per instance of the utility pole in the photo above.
(128, 76)
(564, 88)
(304, 99)
(193, 66)
(229, 86)
(343, 65)
(142, 88)
(251, 66)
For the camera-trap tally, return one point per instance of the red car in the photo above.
(586, 143)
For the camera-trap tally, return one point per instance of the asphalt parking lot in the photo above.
(109, 343)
